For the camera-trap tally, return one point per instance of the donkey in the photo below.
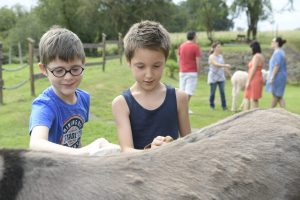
(238, 82)
(243, 156)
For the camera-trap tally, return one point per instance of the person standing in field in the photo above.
(216, 75)
(189, 55)
(277, 79)
(255, 83)
(149, 113)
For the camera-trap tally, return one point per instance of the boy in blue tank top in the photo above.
(59, 113)
(149, 111)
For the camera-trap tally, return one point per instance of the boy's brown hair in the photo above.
(146, 34)
(60, 43)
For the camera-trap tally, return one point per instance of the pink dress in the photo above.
(254, 91)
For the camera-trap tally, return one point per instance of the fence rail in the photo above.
(92, 45)
(14, 69)
(16, 86)
(34, 52)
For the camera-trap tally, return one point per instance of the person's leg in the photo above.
(222, 94)
(274, 101)
(234, 96)
(254, 104)
(282, 102)
(182, 81)
(190, 84)
(246, 104)
(213, 87)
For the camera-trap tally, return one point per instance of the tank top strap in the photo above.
(128, 97)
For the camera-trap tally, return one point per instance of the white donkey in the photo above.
(238, 81)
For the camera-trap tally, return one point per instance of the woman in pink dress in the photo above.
(255, 83)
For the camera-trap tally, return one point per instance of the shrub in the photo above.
(172, 64)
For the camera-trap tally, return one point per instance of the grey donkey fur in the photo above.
(250, 155)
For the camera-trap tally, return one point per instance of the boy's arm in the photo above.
(183, 113)
(39, 141)
(120, 112)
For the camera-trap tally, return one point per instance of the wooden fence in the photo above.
(2, 86)
(32, 53)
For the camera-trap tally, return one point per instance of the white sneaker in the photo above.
(191, 112)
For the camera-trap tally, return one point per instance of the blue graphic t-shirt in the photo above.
(65, 121)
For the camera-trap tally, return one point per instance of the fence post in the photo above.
(9, 55)
(20, 53)
(120, 47)
(30, 62)
(1, 80)
(103, 51)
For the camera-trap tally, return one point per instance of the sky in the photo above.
(281, 21)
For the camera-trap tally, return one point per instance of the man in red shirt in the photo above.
(189, 55)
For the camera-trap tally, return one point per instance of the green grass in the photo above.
(103, 87)
(265, 38)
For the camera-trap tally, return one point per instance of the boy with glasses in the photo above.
(59, 113)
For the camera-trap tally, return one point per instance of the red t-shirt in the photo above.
(188, 52)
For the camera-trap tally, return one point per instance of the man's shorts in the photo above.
(188, 82)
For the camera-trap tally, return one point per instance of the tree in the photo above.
(178, 17)
(7, 20)
(121, 14)
(16, 25)
(80, 16)
(208, 15)
(89, 18)
(256, 10)
(27, 26)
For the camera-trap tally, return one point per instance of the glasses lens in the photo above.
(59, 72)
(76, 70)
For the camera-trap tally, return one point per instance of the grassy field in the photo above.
(265, 38)
(103, 87)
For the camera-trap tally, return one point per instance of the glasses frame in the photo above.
(65, 71)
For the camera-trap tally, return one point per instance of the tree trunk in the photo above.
(210, 36)
(248, 33)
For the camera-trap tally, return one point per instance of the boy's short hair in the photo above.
(146, 34)
(190, 35)
(60, 43)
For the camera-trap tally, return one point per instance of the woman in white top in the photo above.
(216, 75)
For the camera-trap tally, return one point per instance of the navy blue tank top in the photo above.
(147, 124)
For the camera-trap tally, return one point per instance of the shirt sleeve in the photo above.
(277, 58)
(41, 115)
(85, 103)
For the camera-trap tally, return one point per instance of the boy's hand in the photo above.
(160, 140)
(96, 145)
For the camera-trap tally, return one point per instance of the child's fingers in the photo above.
(168, 139)
(160, 140)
